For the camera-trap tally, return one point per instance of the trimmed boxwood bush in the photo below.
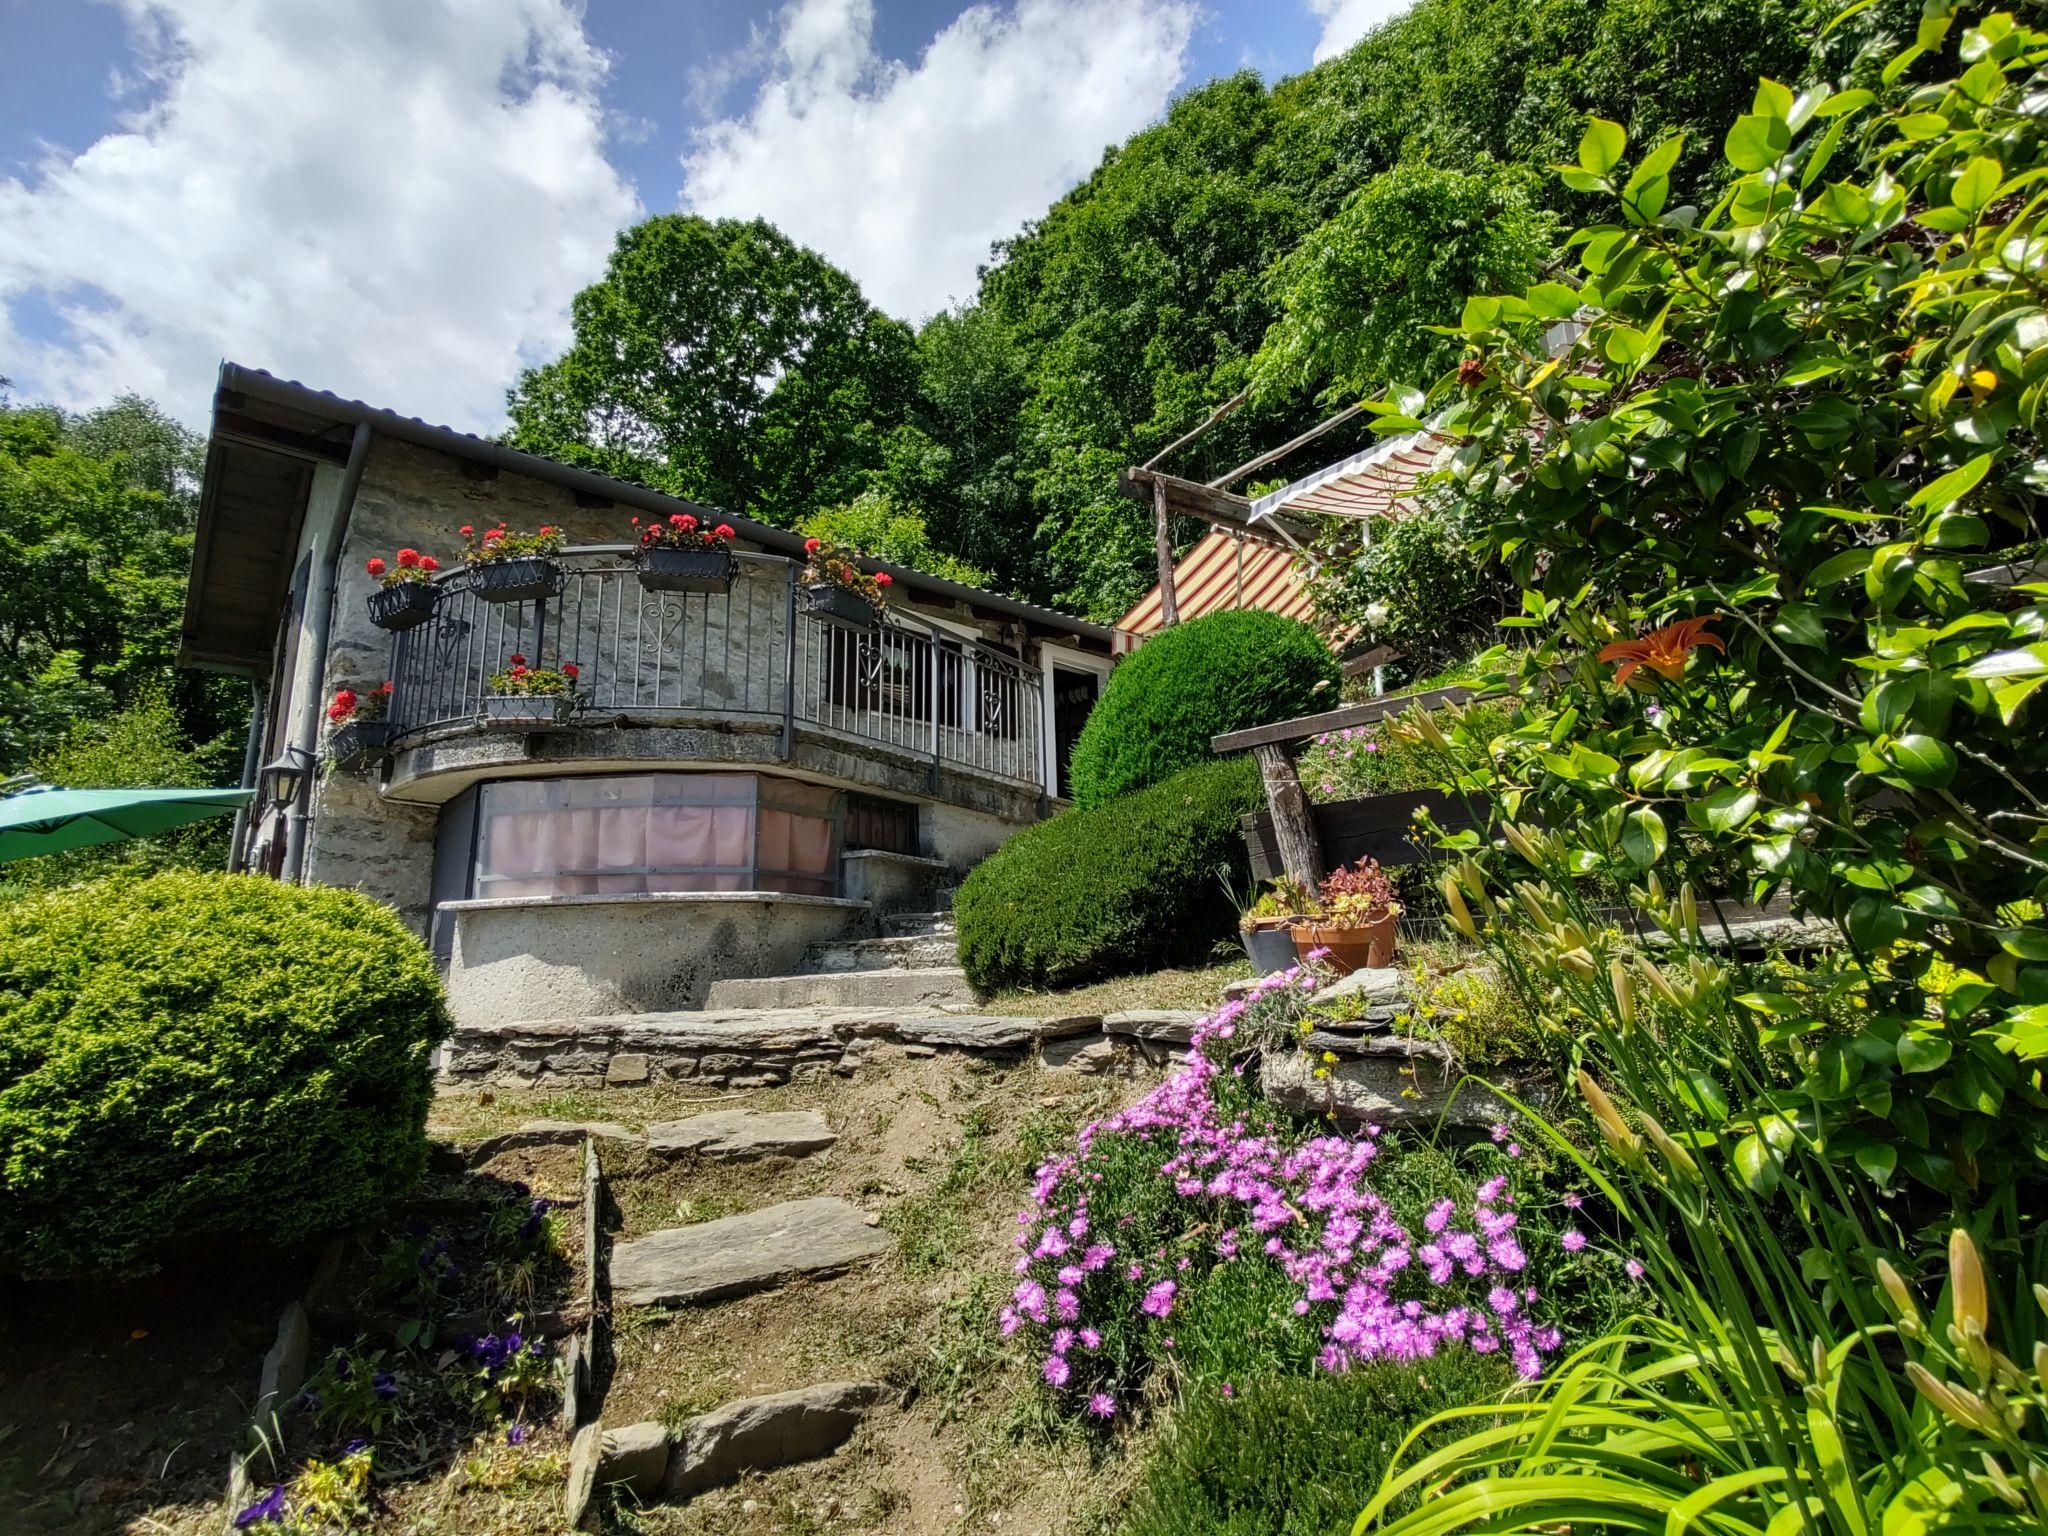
(1129, 886)
(1221, 672)
(205, 1054)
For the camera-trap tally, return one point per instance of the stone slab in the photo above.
(548, 1133)
(740, 1135)
(1171, 1026)
(634, 1457)
(738, 1255)
(581, 1482)
(1399, 1085)
(905, 987)
(757, 1433)
(1094, 1054)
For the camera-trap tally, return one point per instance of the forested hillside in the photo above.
(1288, 238)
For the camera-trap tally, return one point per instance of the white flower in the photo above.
(1377, 614)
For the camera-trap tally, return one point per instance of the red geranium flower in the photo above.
(408, 557)
(375, 567)
(466, 530)
(516, 659)
(546, 529)
(344, 705)
(722, 531)
(571, 670)
(429, 563)
(812, 546)
(884, 579)
(1663, 651)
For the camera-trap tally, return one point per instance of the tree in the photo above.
(722, 361)
(877, 526)
(1402, 254)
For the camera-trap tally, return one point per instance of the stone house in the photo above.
(740, 778)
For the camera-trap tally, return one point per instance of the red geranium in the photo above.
(812, 546)
(723, 531)
(884, 579)
(375, 567)
(571, 670)
(408, 557)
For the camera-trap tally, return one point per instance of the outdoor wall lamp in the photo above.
(287, 778)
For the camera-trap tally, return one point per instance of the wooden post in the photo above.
(1162, 535)
(1294, 828)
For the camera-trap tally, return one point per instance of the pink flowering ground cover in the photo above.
(1206, 1233)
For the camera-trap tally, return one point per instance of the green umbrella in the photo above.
(40, 821)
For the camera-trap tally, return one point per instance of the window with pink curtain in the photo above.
(632, 834)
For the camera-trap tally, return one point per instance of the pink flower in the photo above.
(1158, 1300)
(1102, 1405)
(1573, 1240)
(1056, 1370)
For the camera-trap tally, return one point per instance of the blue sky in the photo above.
(397, 198)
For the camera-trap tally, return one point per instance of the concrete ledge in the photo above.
(891, 882)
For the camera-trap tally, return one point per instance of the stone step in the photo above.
(900, 987)
(911, 950)
(918, 924)
(738, 1255)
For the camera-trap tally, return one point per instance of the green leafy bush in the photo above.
(191, 1055)
(1221, 672)
(1128, 886)
(1425, 584)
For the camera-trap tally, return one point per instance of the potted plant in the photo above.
(1353, 917)
(1263, 926)
(360, 735)
(680, 554)
(531, 696)
(406, 594)
(514, 567)
(837, 590)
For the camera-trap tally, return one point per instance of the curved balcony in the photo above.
(750, 663)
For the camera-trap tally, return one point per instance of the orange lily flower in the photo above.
(1663, 651)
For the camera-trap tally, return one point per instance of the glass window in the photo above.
(633, 834)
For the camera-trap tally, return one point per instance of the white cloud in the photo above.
(394, 198)
(1346, 21)
(904, 173)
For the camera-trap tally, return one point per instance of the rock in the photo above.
(628, 1067)
(547, 1133)
(1395, 1083)
(581, 1482)
(757, 1433)
(1092, 1054)
(634, 1457)
(1386, 986)
(574, 1375)
(737, 1255)
(738, 1135)
(971, 1032)
(284, 1367)
(1170, 1026)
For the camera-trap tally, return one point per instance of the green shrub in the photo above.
(1294, 1455)
(200, 1054)
(1129, 886)
(1221, 672)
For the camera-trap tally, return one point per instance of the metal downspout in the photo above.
(304, 738)
(252, 759)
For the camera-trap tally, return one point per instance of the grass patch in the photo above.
(1197, 987)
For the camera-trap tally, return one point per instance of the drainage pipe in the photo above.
(303, 739)
(252, 759)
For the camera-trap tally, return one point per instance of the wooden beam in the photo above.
(1162, 543)
(1185, 438)
(1366, 713)
(235, 427)
(1286, 448)
(1294, 827)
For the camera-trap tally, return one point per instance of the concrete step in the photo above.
(898, 925)
(916, 950)
(899, 987)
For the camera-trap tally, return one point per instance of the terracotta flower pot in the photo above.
(1367, 947)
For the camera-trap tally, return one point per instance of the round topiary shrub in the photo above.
(1129, 886)
(1222, 672)
(194, 1055)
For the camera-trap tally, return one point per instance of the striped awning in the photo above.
(1226, 570)
(1380, 482)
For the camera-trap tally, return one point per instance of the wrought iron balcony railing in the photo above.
(752, 654)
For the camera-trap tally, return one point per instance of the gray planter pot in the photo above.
(527, 579)
(1270, 949)
(361, 744)
(403, 604)
(686, 570)
(529, 711)
(836, 605)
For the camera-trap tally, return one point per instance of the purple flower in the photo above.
(1573, 1240)
(1057, 1370)
(269, 1507)
(516, 1435)
(1573, 1202)
(1634, 1267)
(355, 1448)
(1102, 1406)
(384, 1384)
(1158, 1301)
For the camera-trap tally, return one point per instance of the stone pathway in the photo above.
(737, 1255)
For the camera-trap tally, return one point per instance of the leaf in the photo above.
(1554, 301)
(1922, 760)
(1977, 185)
(1875, 923)
(1643, 838)
(1756, 141)
(1919, 1051)
(1939, 495)
(1601, 145)
(1878, 1160)
(1772, 99)
(2027, 661)
(1726, 809)
(1756, 1165)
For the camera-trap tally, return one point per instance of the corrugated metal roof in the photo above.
(1226, 570)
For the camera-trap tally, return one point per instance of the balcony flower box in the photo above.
(524, 579)
(361, 744)
(403, 604)
(530, 711)
(665, 569)
(839, 605)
